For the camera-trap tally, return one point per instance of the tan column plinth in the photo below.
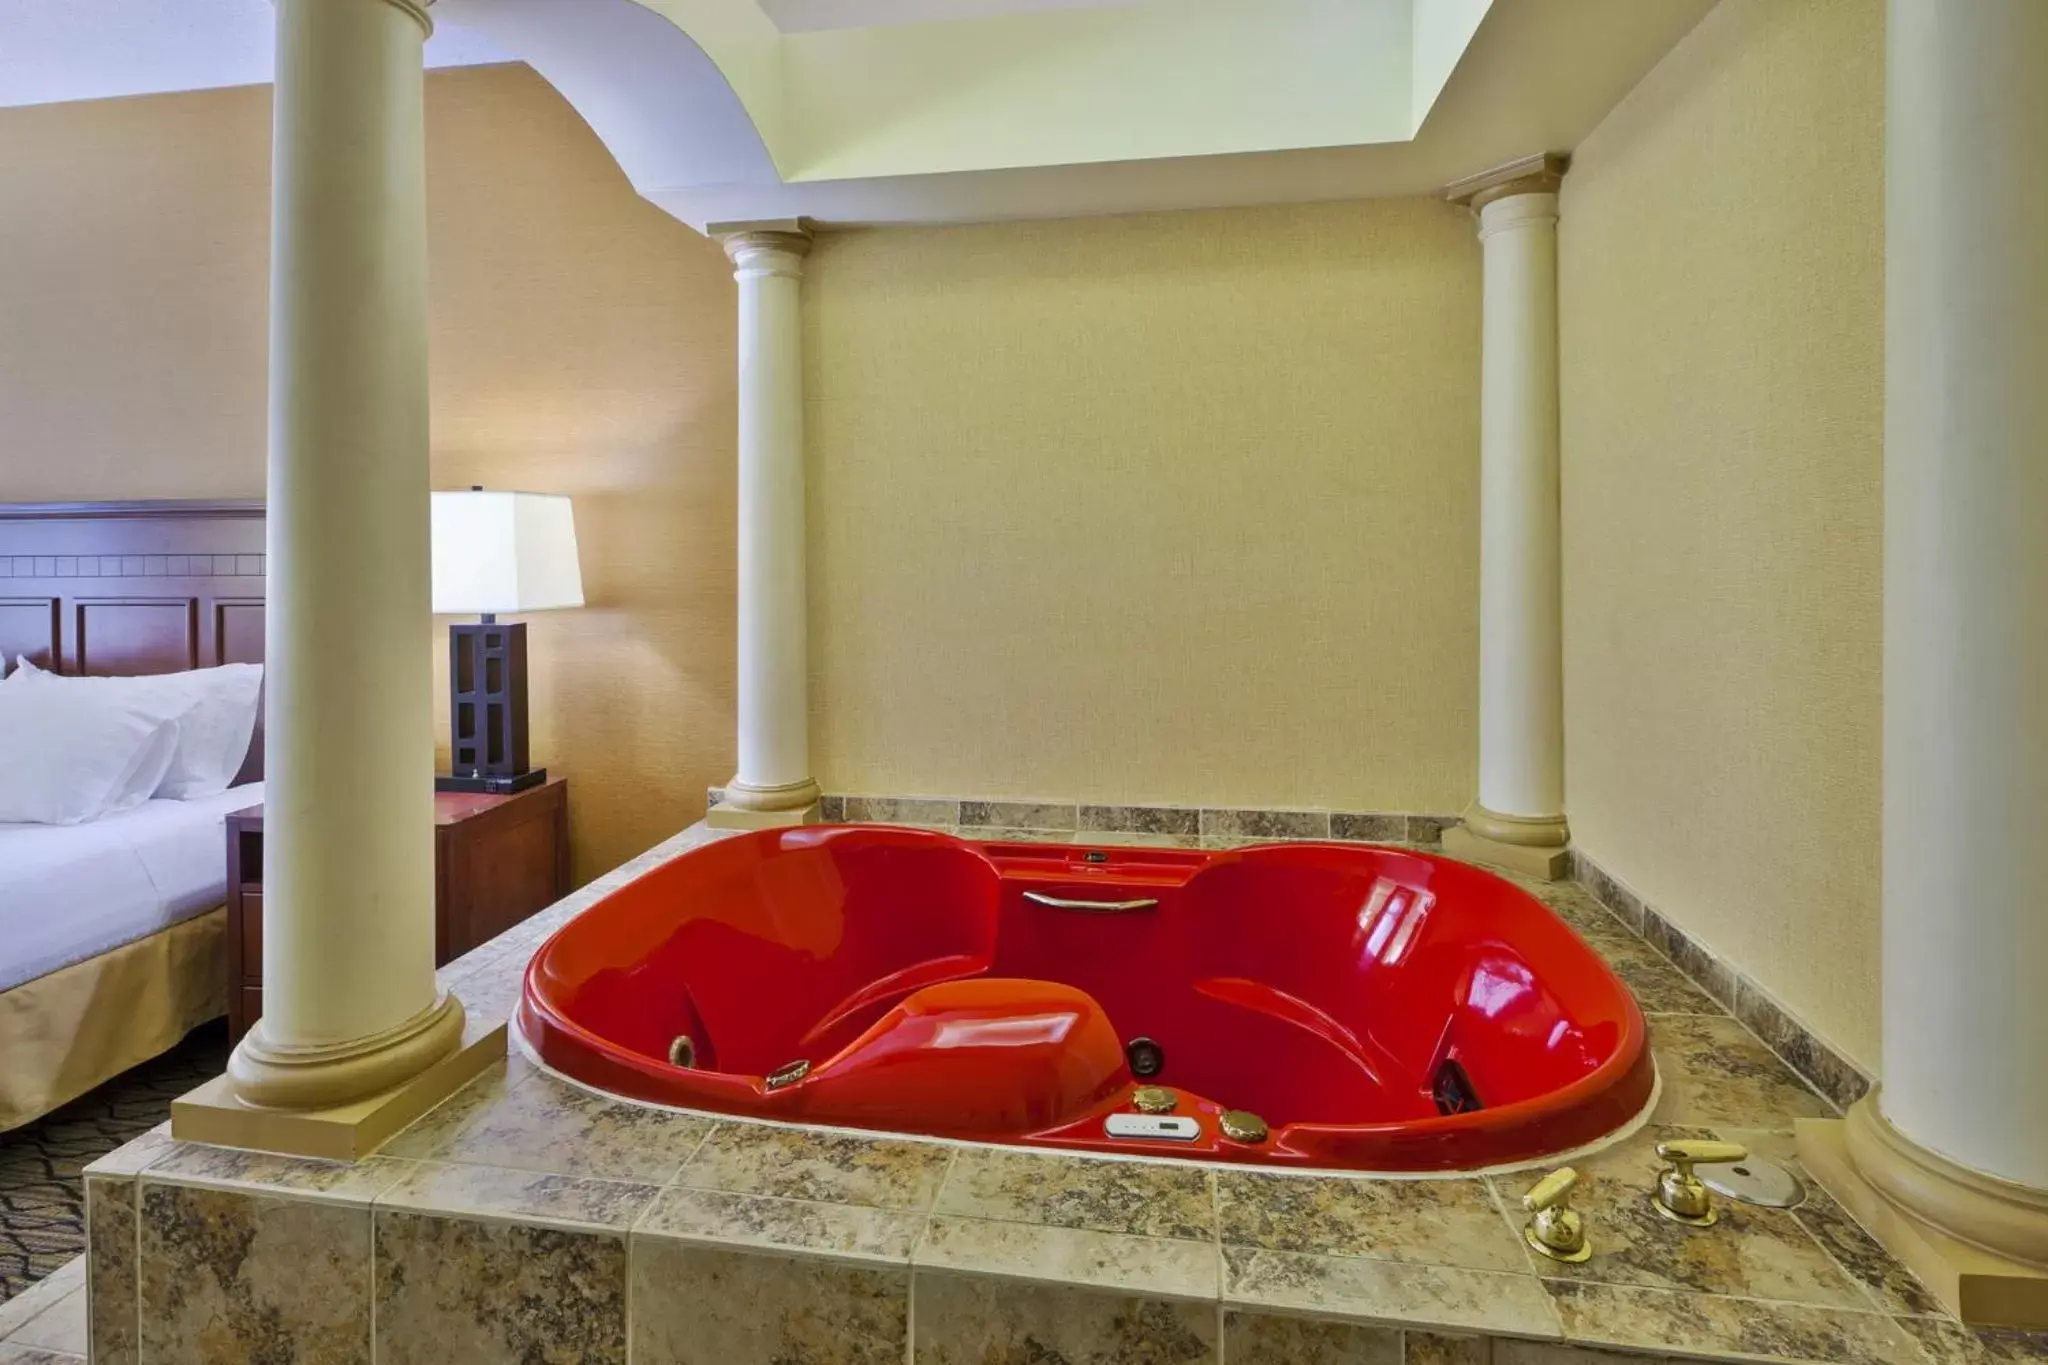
(773, 785)
(1535, 846)
(349, 1130)
(750, 807)
(1978, 1242)
(355, 1033)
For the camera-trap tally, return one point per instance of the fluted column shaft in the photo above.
(1966, 584)
(350, 1002)
(1946, 1162)
(773, 783)
(1518, 819)
(1521, 702)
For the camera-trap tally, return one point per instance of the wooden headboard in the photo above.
(134, 587)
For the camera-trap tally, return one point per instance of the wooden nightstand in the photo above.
(497, 860)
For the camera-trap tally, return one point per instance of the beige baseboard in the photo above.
(1982, 1289)
(213, 1114)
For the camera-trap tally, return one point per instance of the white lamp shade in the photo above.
(504, 552)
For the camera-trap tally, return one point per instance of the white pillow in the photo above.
(70, 755)
(215, 709)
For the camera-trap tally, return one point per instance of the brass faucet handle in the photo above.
(1680, 1195)
(1154, 1099)
(1556, 1231)
(1685, 1152)
(1551, 1190)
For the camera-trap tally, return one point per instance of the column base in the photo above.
(738, 817)
(1533, 845)
(269, 1075)
(216, 1115)
(1864, 1163)
(747, 806)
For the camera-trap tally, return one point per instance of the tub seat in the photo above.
(982, 1058)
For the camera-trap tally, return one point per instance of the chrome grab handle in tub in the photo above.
(1088, 907)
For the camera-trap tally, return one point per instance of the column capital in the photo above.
(776, 247)
(1518, 209)
(1540, 173)
(417, 10)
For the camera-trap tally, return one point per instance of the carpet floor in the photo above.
(42, 1193)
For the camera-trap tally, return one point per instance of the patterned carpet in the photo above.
(42, 1197)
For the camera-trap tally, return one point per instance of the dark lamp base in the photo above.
(493, 784)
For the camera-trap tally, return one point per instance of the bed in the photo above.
(113, 933)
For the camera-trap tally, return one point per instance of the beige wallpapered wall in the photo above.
(1161, 508)
(1723, 278)
(1175, 508)
(582, 343)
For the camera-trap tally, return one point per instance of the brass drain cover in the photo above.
(1154, 1099)
(1242, 1125)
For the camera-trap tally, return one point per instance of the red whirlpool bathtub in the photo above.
(1294, 1004)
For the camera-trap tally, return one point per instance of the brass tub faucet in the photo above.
(1680, 1196)
(1556, 1230)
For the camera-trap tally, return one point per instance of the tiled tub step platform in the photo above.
(527, 1220)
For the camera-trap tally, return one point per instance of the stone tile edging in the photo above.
(1827, 1070)
(1006, 815)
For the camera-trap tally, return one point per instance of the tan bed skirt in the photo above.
(63, 1034)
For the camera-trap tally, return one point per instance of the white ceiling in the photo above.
(690, 95)
(797, 16)
(52, 50)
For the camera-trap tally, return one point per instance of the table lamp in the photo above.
(496, 552)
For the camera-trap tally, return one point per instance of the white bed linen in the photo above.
(70, 892)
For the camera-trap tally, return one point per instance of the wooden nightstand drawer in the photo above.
(250, 935)
(497, 861)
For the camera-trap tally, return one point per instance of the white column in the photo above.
(1959, 1133)
(773, 784)
(1518, 818)
(350, 1005)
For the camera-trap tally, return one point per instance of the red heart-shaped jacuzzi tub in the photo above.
(1377, 1009)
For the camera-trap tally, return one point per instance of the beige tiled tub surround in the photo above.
(537, 1123)
(964, 1320)
(819, 1165)
(478, 1263)
(111, 1234)
(1728, 1328)
(1454, 1222)
(1268, 1339)
(1832, 1074)
(744, 1306)
(1365, 1289)
(1046, 1189)
(1757, 1253)
(528, 1218)
(246, 1256)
